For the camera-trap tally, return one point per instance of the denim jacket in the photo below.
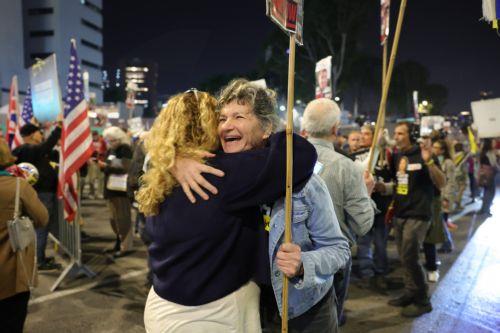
(324, 249)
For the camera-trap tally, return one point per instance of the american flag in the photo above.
(27, 112)
(13, 136)
(76, 140)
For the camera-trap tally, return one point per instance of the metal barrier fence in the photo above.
(69, 241)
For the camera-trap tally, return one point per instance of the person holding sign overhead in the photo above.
(37, 150)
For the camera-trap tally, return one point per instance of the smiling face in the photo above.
(239, 128)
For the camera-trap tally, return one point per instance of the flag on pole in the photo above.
(472, 141)
(76, 140)
(491, 12)
(385, 13)
(27, 113)
(13, 136)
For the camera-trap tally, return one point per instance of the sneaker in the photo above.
(416, 310)
(433, 276)
(48, 266)
(402, 300)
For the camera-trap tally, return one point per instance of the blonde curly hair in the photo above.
(185, 127)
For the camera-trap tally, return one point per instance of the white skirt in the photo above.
(236, 312)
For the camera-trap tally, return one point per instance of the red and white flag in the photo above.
(385, 13)
(13, 136)
(76, 139)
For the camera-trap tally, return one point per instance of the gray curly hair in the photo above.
(261, 100)
(116, 133)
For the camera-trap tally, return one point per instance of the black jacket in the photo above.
(39, 155)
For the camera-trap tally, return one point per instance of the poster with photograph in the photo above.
(288, 15)
(415, 106)
(324, 78)
(385, 13)
(486, 114)
(431, 123)
(45, 90)
(299, 32)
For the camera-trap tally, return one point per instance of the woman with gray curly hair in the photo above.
(118, 158)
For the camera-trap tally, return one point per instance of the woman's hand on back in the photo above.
(188, 173)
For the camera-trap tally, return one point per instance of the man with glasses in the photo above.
(36, 150)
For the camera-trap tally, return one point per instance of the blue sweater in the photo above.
(204, 251)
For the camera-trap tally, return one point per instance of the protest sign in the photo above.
(486, 114)
(385, 13)
(431, 123)
(260, 83)
(288, 15)
(45, 91)
(324, 78)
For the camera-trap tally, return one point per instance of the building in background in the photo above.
(143, 74)
(31, 29)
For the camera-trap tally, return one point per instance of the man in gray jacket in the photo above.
(349, 188)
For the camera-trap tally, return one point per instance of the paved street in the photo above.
(466, 299)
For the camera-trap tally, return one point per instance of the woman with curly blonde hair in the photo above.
(204, 255)
(187, 127)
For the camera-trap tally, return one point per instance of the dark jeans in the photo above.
(341, 284)
(13, 311)
(488, 196)
(409, 234)
(321, 318)
(430, 256)
(473, 185)
(49, 200)
(374, 262)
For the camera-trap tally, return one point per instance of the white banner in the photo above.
(486, 114)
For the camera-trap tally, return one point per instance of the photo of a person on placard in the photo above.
(323, 84)
(385, 8)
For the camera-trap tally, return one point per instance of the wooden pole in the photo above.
(387, 83)
(384, 63)
(289, 173)
(384, 74)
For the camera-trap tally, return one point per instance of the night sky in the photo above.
(194, 40)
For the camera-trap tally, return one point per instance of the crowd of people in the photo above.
(208, 184)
